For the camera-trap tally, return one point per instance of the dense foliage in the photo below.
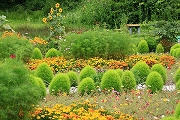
(17, 91)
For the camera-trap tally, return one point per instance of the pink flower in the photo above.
(12, 56)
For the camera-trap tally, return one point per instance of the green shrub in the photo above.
(177, 111)
(159, 48)
(17, 91)
(120, 72)
(60, 84)
(178, 85)
(73, 78)
(152, 43)
(52, 53)
(87, 71)
(176, 53)
(161, 70)
(111, 79)
(36, 54)
(177, 75)
(40, 84)
(169, 118)
(128, 80)
(101, 43)
(12, 46)
(173, 48)
(154, 81)
(44, 72)
(140, 71)
(86, 86)
(143, 47)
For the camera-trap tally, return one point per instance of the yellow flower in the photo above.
(38, 117)
(51, 11)
(60, 10)
(57, 5)
(44, 20)
(50, 17)
(58, 14)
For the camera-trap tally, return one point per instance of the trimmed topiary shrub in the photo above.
(36, 54)
(53, 53)
(140, 71)
(39, 83)
(178, 85)
(177, 75)
(128, 80)
(111, 79)
(60, 84)
(87, 71)
(44, 72)
(86, 86)
(17, 92)
(154, 81)
(173, 48)
(169, 118)
(120, 72)
(73, 78)
(176, 53)
(159, 48)
(161, 70)
(143, 47)
(177, 111)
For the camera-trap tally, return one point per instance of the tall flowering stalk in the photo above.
(55, 21)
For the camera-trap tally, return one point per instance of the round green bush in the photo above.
(177, 111)
(60, 84)
(176, 53)
(169, 118)
(17, 91)
(39, 83)
(52, 53)
(128, 80)
(44, 72)
(86, 86)
(36, 54)
(140, 71)
(111, 79)
(159, 48)
(161, 70)
(120, 72)
(178, 85)
(174, 47)
(177, 75)
(143, 47)
(87, 71)
(154, 81)
(73, 78)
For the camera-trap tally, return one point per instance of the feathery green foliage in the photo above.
(86, 86)
(154, 81)
(140, 71)
(87, 71)
(177, 75)
(44, 72)
(161, 70)
(128, 80)
(159, 48)
(111, 79)
(143, 47)
(17, 91)
(52, 53)
(36, 54)
(73, 78)
(60, 84)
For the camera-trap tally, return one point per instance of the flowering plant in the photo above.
(55, 21)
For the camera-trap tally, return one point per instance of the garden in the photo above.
(71, 61)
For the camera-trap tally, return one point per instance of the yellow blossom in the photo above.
(60, 10)
(51, 11)
(44, 20)
(57, 5)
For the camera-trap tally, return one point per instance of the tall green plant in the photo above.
(18, 93)
(143, 47)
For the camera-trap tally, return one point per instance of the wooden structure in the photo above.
(130, 26)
